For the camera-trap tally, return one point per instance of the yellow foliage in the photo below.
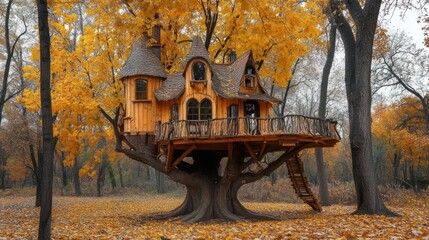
(402, 126)
(87, 56)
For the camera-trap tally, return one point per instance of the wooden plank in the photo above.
(251, 153)
(170, 151)
(185, 154)
(262, 151)
(230, 149)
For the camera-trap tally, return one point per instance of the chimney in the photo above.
(232, 56)
(156, 35)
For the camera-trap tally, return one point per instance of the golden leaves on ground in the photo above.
(131, 217)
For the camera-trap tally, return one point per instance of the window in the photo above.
(233, 111)
(205, 109)
(192, 109)
(249, 70)
(175, 112)
(199, 111)
(141, 89)
(199, 71)
(249, 82)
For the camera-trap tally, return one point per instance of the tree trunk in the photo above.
(321, 168)
(64, 179)
(396, 164)
(160, 182)
(76, 179)
(121, 178)
(3, 161)
(47, 122)
(111, 175)
(358, 54)
(211, 194)
(100, 178)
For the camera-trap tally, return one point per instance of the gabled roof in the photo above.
(227, 80)
(171, 88)
(198, 50)
(142, 61)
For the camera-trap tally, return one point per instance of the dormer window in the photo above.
(250, 70)
(141, 89)
(199, 71)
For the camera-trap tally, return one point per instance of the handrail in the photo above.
(246, 126)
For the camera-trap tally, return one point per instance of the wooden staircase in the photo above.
(300, 182)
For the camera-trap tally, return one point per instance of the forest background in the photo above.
(90, 40)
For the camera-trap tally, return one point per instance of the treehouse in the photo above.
(209, 111)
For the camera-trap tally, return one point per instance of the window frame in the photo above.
(141, 94)
(204, 71)
(200, 114)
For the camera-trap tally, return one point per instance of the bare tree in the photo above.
(321, 168)
(10, 50)
(404, 66)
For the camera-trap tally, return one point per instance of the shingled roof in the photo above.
(142, 61)
(226, 78)
(171, 88)
(198, 50)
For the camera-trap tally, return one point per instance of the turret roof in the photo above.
(142, 61)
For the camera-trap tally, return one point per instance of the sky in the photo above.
(408, 24)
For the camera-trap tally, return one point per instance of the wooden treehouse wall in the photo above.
(142, 115)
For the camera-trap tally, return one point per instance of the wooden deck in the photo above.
(245, 127)
(176, 140)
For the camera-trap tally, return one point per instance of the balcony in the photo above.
(246, 126)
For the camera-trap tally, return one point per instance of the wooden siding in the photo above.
(141, 115)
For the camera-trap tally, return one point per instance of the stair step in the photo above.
(300, 183)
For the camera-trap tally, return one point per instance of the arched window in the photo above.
(205, 109)
(192, 109)
(199, 71)
(175, 112)
(199, 111)
(141, 89)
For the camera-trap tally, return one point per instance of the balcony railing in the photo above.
(246, 126)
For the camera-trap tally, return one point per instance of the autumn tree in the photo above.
(406, 138)
(402, 66)
(87, 90)
(11, 42)
(357, 35)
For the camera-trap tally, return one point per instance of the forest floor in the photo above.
(131, 217)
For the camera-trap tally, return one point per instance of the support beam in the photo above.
(261, 153)
(252, 154)
(230, 149)
(185, 154)
(170, 151)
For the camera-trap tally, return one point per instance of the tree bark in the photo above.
(111, 175)
(211, 194)
(3, 161)
(76, 179)
(100, 178)
(121, 178)
(160, 182)
(358, 54)
(47, 122)
(321, 168)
